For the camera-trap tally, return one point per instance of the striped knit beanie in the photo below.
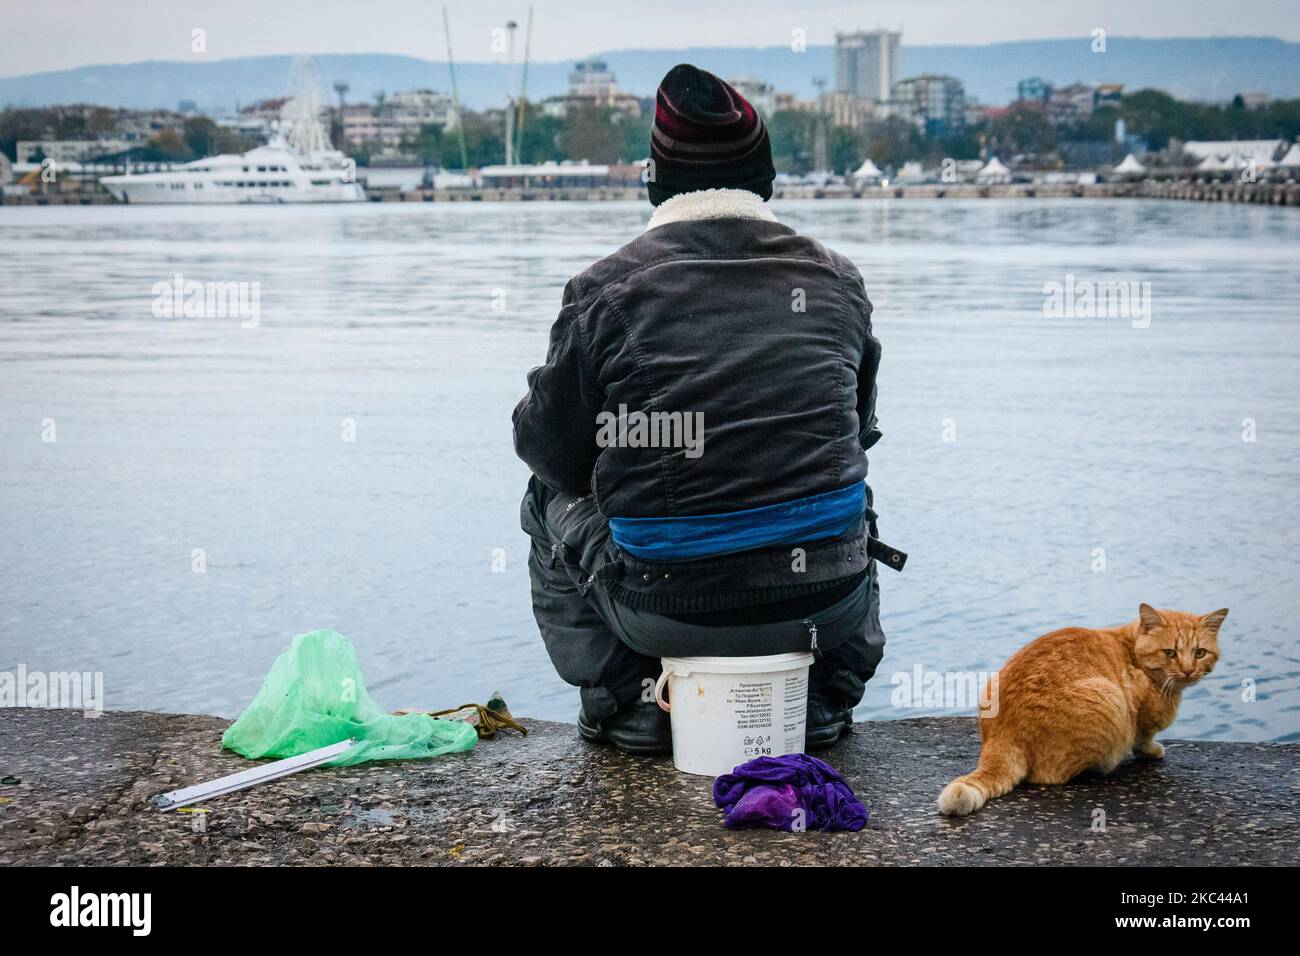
(706, 136)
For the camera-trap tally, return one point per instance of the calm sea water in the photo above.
(416, 324)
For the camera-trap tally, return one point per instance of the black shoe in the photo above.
(641, 728)
(825, 724)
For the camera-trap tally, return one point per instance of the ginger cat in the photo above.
(1079, 699)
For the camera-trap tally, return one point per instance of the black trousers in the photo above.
(611, 652)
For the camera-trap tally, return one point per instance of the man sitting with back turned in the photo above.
(697, 439)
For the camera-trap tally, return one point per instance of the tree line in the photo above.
(610, 135)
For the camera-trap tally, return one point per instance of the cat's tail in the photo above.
(1002, 766)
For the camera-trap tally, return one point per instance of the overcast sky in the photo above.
(39, 35)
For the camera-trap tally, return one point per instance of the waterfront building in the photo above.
(1108, 94)
(842, 109)
(935, 104)
(410, 110)
(143, 125)
(397, 118)
(1291, 158)
(549, 175)
(258, 121)
(592, 84)
(868, 64)
(67, 150)
(360, 124)
(1070, 104)
(1033, 89)
(592, 79)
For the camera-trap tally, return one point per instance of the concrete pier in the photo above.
(84, 784)
(1272, 194)
(1279, 194)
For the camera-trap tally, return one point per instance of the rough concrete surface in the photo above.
(550, 798)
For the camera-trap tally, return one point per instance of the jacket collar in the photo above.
(711, 204)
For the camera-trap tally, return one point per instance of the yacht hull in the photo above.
(266, 175)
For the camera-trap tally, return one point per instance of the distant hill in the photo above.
(1198, 69)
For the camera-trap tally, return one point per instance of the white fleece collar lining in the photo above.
(711, 204)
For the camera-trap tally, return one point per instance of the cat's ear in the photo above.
(1150, 617)
(1211, 621)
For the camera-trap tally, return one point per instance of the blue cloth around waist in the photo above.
(827, 515)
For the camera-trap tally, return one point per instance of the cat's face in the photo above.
(1175, 648)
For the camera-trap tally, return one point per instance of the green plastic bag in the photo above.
(314, 696)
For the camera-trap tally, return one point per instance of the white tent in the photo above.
(1130, 166)
(994, 170)
(1292, 158)
(868, 170)
(1234, 162)
(1258, 149)
(912, 171)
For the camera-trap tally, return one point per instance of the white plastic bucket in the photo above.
(729, 710)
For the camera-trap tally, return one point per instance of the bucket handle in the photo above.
(659, 691)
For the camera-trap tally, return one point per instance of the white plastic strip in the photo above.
(249, 778)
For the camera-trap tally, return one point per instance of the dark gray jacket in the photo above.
(763, 332)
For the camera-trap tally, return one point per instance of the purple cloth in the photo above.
(767, 792)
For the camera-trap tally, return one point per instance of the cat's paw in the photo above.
(959, 799)
(1152, 750)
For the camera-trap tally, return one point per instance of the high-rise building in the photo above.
(867, 64)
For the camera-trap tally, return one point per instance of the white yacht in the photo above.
(267, 174)
(298, 166)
